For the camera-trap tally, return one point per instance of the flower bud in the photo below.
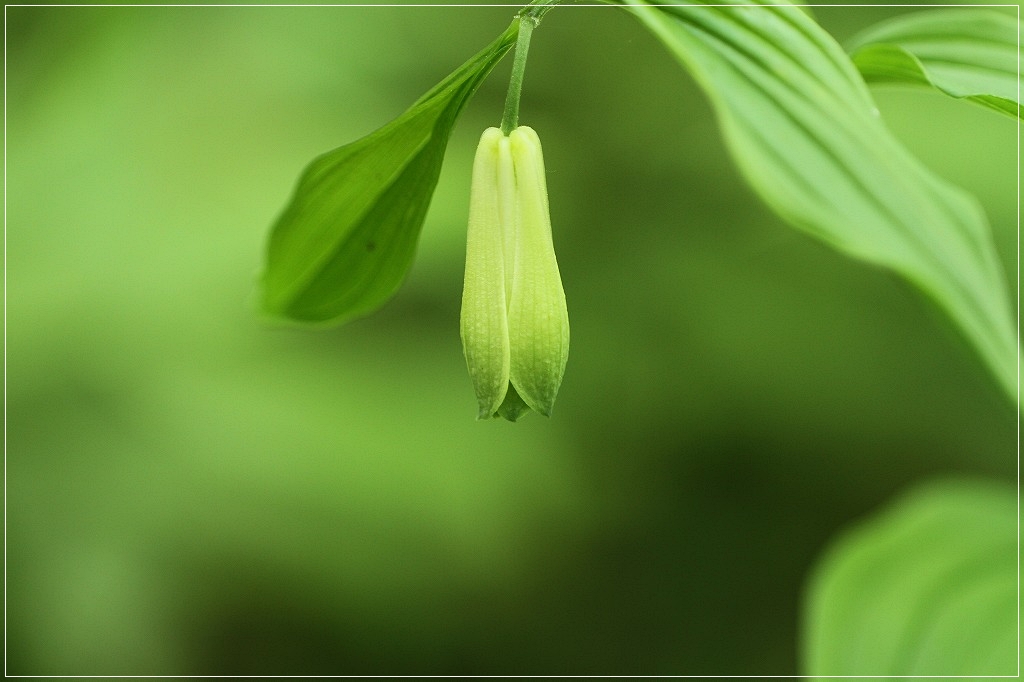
(515, 326)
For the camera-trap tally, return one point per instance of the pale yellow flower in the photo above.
(515, 326)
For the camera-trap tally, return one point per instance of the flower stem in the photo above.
(510, 119)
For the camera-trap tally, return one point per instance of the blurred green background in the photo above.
(194, 491)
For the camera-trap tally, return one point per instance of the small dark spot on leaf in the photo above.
(370, 246)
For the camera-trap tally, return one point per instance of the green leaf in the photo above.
(346, 239)
(967, 53)
(926, 587)
(801, 124)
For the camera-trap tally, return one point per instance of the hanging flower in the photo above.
(515, 327)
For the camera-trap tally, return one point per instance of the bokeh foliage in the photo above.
(927, 587)
(192, 491)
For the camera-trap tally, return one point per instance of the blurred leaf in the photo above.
(927, 587)
(345, 241)
(804, 131)
(967, 53)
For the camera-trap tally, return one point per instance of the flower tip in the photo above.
(513, 406)
(542, 407)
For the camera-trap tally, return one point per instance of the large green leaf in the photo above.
(966, 52)
(927, 587)
(345, 241)
(801, 125)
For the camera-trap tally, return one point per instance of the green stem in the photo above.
(529, 17)
(510, 119)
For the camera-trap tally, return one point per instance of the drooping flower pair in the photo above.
(515, 326)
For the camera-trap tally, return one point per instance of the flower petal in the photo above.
(538, 320)
(484, 320)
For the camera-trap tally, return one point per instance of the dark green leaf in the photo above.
(345, 241)
(966, 52)
(927, 587)
(803, 129)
